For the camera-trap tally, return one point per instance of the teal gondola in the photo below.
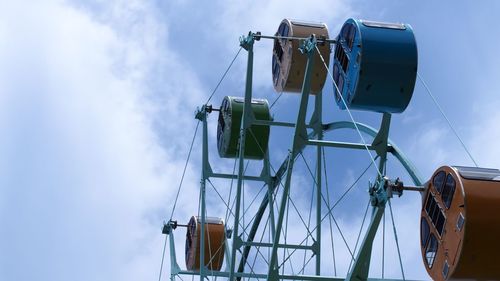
(375, 66)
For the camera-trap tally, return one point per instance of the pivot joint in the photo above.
(384, 189)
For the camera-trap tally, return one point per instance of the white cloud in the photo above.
(87, 180)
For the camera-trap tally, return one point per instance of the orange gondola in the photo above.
(289, 64)
(460, 225)
(214, 243)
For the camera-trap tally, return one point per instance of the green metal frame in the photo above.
(301, 138)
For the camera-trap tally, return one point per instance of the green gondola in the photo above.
(228, 130)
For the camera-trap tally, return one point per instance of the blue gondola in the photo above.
(375, 66)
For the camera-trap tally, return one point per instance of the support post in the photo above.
(379, 199)
(319, 149)
(174, 267)
(361, 267)
(246, 121)
(299, 138)
(204, 176)
(317, 124)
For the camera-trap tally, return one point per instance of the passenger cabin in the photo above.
(289, 64)
(228, 129)
(460, 224)
(214, 243)
(375, 66)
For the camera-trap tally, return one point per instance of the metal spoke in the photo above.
(282, 231)
(396, 239)
(311, 201)
(383, 245)
(359, 234)
(328, 206)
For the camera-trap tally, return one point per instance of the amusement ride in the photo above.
(373, 67)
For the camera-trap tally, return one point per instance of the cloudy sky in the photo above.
(96, 116)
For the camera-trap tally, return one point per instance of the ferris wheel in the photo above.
(258, 219)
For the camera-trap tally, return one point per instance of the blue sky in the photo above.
(96, 116)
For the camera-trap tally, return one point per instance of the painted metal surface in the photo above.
(289, 64)
(228, 129)
(375, 66)
(460, 224)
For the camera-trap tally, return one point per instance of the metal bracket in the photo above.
(167, 228)
(384, 189)
(246, 42)
(200, 113)
(308, 45)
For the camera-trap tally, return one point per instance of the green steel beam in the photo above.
(281, 246)
(317, 122)
(232, 176)
(339, 144)
(300, 136)
(282, 277)
(246, 121)
(204, 175)
(279, 124)
(174, 267)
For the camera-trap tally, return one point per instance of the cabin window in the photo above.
(431, 250)
(428, 203)
(277, 73)
(440, 222)
(347, 34)
(350, 36)
(189, 236)
(434, 211)
(435, 214)
(424, 231)
(220, 128)
(460, 222)
(281, 28)
(284, 34)
(446, 269)
(278, 49)
(448, 191)
(275, 65)
(222, 123)
(336, 74)
(438, 181)
(341, 57)
(344, 31)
